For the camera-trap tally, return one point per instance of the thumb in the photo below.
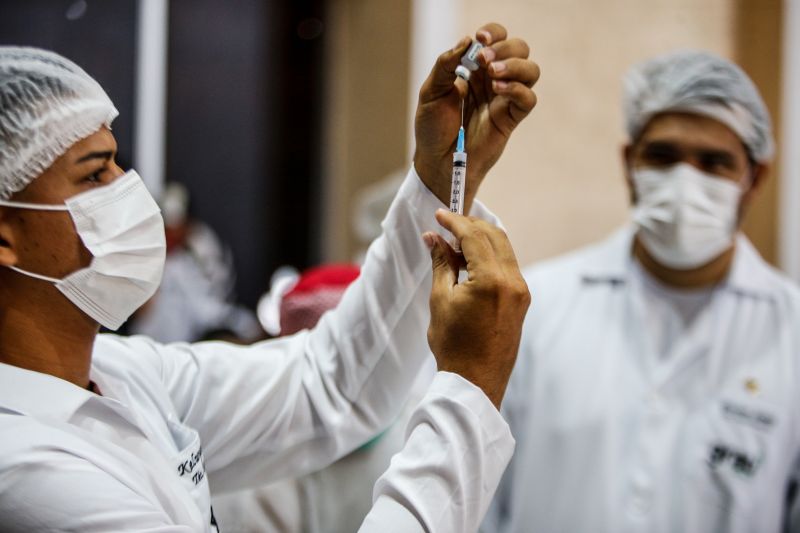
(445, 272)
(440, 80)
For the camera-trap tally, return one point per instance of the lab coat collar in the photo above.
(610, 260)
(39, 395)
(749, 274)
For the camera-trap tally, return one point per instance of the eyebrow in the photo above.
(716, 153)
(659, 144)
(96, 155)
(665, 146)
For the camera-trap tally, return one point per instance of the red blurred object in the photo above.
(319, 289)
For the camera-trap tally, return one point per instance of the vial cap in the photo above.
(463, 72)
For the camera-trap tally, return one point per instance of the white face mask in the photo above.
(121, 225)
(685, 217)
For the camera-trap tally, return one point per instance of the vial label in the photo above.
(469, 59)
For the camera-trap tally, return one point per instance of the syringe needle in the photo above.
(462, 112)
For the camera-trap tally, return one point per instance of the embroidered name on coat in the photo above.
(193, 466)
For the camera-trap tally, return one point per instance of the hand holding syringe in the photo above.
(495, 100)
(459, 179)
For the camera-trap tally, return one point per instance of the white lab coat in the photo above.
(175, 418)
(611, 438)
(332, 500)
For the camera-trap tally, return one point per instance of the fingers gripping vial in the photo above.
(469, 61)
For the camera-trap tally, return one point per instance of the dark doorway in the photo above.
(244, 128)
(100, 36)
(244, 106)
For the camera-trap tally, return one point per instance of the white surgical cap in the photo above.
(703, 84)
(47, 104)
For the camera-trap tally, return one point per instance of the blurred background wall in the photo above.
(564, 167)
(560, 183)
(242, 109)
(278, 113)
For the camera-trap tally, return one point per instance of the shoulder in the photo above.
(785, 287)
(568, 271)
(118, 355)
(562, 267)
(787, 298)
(145, 366)
(52, 481)
(751, 273)
(22, 437)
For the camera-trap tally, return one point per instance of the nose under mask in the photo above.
(121, 225)
(686, 218)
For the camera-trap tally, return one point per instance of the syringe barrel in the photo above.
(459, 182)
(458, 189)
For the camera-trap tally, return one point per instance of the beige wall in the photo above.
(367, 118)
(560, 183)
(759, 37)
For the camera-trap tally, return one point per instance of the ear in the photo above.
(627, 165)
(8, 253)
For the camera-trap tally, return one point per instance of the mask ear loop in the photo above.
(34, 275)
(38, 207)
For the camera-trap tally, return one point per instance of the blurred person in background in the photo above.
(299, 300)
(337, 498)
(110, 433)
(371, 204)
(659, 373)
(195, 300)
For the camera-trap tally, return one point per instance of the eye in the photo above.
(94, 177)
(716, 162)
(660, 155)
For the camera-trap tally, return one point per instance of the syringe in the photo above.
(459, 181)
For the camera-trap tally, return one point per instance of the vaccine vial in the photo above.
(469, 61)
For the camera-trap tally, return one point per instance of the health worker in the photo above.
(107, 433)
(659, 372)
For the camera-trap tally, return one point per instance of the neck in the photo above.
(709, 274)
(41, 330)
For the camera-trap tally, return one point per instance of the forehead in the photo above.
(691, 131)
(53, 183)
(102, 140)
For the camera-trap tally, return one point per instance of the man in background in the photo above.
(196, 299)
(657, 383)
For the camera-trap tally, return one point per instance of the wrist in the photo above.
(435, 180)
(492, 381)
(437, 177)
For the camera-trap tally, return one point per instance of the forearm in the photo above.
(380, 326)
(444, 478)
(288, 406)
